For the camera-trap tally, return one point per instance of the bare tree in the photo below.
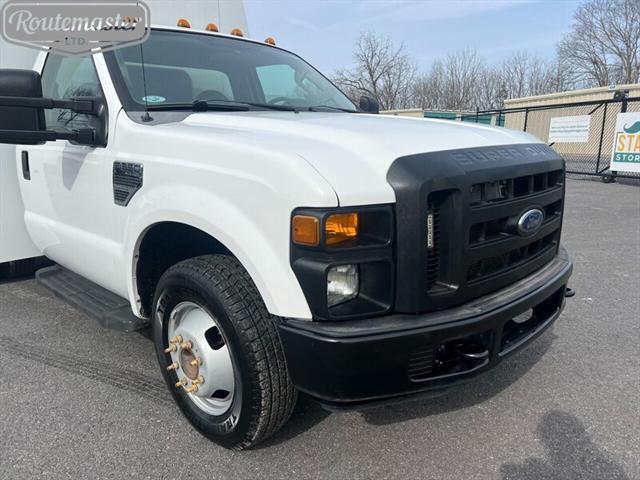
(462, 74)
(381, 70)
(427, 90)
(492, 89)
(602, 48)
(525, 75)
(604, 45)
(562, 78)
(452, 83)
(515, 70)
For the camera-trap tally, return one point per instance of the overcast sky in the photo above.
(324, 31)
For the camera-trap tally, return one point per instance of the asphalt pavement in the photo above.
(77, 401)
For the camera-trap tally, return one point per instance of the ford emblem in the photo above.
(530, 222)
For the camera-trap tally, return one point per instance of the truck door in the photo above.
(67, 188)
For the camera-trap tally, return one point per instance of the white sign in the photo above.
(569, 129)
(626, 143)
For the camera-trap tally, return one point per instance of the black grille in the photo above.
(421, 363)
(494, 242)
(468, 203)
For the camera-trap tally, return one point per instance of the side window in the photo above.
(64, 78)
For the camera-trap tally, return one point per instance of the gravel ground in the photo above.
(77, 401)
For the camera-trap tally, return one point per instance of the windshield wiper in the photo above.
(324, 108)
(219, 106)
(200, 106)
(283, 108)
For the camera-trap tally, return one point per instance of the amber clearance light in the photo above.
(305, 230)
(341, 227)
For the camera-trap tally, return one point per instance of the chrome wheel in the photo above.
(201, 358)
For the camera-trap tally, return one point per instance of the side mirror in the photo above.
(23, 84)
(369, 104)
(22, 108)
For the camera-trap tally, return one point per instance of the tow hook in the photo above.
(459, 356)
(569, 292)
(471, 351)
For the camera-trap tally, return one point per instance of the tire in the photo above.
(608, 178)
(263, 396)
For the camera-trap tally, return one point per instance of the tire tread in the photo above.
(275, 398)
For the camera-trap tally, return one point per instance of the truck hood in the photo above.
(353, 152)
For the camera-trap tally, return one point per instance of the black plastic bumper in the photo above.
(351, 364)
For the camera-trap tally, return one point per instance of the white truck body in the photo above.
(281, 240)
(234, 164)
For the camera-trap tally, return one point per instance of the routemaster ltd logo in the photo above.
(75, 27)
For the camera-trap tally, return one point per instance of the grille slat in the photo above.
(491, 211)
(507, 242)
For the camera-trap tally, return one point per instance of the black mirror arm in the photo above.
(84, 136)
(86, 105)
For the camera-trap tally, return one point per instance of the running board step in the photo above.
(110, 310)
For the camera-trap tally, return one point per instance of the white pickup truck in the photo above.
(276, 237)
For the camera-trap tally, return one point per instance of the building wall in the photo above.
(601, 127)
(453, 115)
(585, 95)
(407, 112)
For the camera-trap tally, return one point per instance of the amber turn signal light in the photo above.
(237, 32)
(270, 41)
(341, 227)
(211, 27)
(184, 23)
(305, 230)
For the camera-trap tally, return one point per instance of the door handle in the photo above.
(26, 171)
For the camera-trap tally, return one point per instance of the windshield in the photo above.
(182, 68)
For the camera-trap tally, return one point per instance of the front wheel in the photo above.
(220, 353)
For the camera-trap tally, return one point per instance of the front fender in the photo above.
(228, 183)
(259, 242)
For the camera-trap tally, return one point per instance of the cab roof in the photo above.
(215, 34)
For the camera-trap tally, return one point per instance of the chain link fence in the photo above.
(592, 157)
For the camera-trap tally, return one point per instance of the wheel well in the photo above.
(164, 245)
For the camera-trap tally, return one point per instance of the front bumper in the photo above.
(350, 364)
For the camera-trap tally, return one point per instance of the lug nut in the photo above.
(198, 381)
(196, 362)
(192, 389)
(176, 339)
(182, 383)
(170, 348)
(186, 345)
(173, 366)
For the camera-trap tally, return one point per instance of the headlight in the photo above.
(343, 259)
(343, 283)
(340, 228)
